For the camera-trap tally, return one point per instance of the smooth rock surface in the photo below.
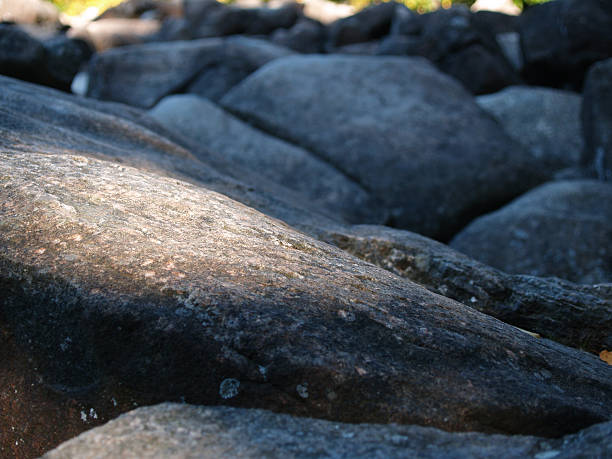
(545, 121)
(561, 229)
(576, 315)
(183, 431)
(142, 75)
(597, 119)
(208, 125)
(407, 133)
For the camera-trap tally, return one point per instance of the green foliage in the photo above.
(75, 7)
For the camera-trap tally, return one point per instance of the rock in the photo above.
(597, 119)
(306, 36)
(561, 39)
(545, 121)
(143, 9)
(21, 56)
(561, 229)
(110, 33)
(120, 283)
(142, 75)
(575, 315)
(208, 18)
(510, 44)
(326, 11)
(237, 59)
(500, 6)
(208, 125)
(408, 134)
(65, 57)
(369, 24)
(195, 431)
(29, 12)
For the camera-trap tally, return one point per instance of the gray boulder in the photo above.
(561, 229)
(545, 121)
(184, 431)
(575, 315)
(142, 75)
(306, 36)
(407, 133)
(208, 125)
(597, 119)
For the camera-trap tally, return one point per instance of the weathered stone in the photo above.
(184, 431)
(597, 119)
(21, 56)
(306, 36)
(64, 58)
(142, 75)
(121, 283)
(208, 125)
(561, 39)
(561, 229)
(545, 121)
(576, 315)
(407, 133)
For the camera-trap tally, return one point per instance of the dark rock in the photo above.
(561, 229)
(597, 119)
(493, 22)
(65, 57)
(545, 121)
(510, 45)
(121, 283)
(29, 12)
(367, 48)
(407, 133)
(142, 75)
(278, 161)
(172, 430)
(399, 45)
(306, 36)
(141, 9)
(110, 33)
(21, 56)
(576, 315)
(561, 39)
(208, 18)
(406, 22)
(369, 24)
(237, 59)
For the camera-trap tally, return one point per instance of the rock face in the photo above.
(597, 119)
(373, 115)
(128, 285)
(142, 75)
(576, 315)
(545, 121)
(561, 39)
(208, 125)
(171, 430)
(560, 229)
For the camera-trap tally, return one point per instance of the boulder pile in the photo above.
(287, 231)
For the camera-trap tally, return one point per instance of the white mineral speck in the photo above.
(302, 390)
(93, 414)
(83, 416)
(473, 299)
(229, 388)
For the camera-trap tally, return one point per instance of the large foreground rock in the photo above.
(575, 315)
(208, 125)
(561, 229)
(141, 75)
(597, 119)
(546, 121)
(183, 431)
(408, 134)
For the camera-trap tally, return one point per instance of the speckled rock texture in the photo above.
(545, 121)
(576, 315)
(410, 135)
(560, 229)
(183, 431)
(325, 187)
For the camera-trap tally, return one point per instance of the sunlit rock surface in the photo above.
(184, 431)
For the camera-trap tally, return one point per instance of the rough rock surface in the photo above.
(183, 431)
(597, 119)
(449, 160)
(561, 39)
(545, 121)
(142, 75)
(576, 315)
(559, 229)
(208, 125)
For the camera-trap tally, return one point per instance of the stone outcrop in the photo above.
(559, 229)
(188, 432)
